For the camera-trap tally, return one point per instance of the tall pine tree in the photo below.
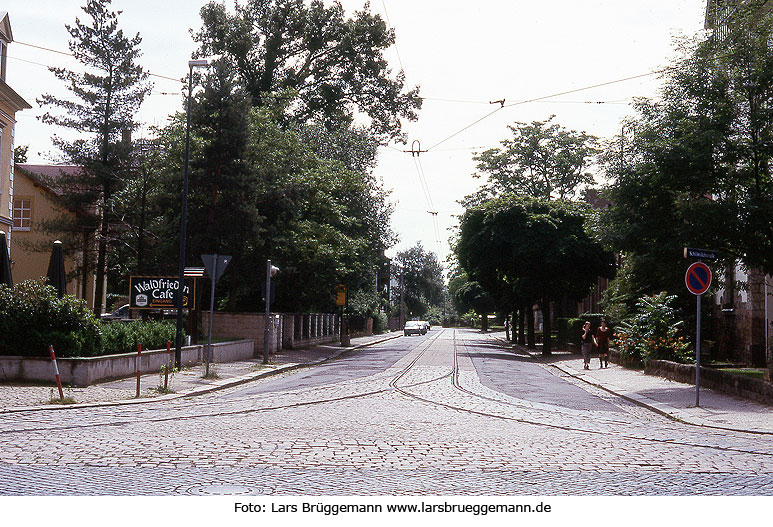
(104, 99)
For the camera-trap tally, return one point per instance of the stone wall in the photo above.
(738, 321)
(245, 326)
(89, 370)
(755, 389)
(289, 330)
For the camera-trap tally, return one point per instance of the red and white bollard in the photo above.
(56, 371)
(139, 353)
(168, 364)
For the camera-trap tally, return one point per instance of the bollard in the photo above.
(168, 364)
(139, 353)
(56, 371)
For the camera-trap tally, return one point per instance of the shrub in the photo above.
(380, 323)
(562, 331)
(123, 337)
(32, 317)
(574, 329)
(653, 332)
(470, 319)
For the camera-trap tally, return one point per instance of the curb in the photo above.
(213, 387)
(663, 409)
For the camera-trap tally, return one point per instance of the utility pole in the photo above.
(402, 298)
(270, 271)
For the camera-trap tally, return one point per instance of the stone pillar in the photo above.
(288, 331)
(757, 318)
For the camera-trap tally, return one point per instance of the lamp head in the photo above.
(198, 63)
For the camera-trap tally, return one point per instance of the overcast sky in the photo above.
(462, 54)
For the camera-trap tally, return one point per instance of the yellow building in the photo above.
(33, 206)
(10, 103)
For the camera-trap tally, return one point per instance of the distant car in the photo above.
(122, 313)
(413, 327)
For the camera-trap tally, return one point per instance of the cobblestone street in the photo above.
(427, 417)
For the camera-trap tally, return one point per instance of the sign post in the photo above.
(215, 265)
(341, 301)
(698, 280)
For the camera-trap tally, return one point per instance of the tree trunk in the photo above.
(522, 326)
(85, 267)
(546, 327)
(484, 323)
(99, 287)
(530, 341)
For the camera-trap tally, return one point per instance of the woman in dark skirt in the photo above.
(586, 339)
(602, 341)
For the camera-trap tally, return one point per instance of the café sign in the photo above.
(159, 292)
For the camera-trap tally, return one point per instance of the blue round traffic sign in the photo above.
(698, 278)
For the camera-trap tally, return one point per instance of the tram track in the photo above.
(405, 390)
(425, 344)
(454, 374)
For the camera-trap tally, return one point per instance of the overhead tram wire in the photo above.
(417, 157)
(543, 98)
(432, 211)
(165, 77)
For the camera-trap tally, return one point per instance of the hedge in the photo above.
(32, 317)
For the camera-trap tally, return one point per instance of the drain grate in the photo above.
(223, 490)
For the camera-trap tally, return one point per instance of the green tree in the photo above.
(328, 66)
(422, 279)
(538, 247)
(20, 153)
(694, 166)
(104, 100)
(259, 191)
(542, 160)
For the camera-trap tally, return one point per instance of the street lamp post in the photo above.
(270, 271)
(196, 63)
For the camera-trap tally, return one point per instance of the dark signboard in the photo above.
(159, 292)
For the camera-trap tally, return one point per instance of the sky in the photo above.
(463, 55)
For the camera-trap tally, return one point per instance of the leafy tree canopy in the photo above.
(422, 276)
(542, 160)
(329, 66)
(533, 245)
(693, 167)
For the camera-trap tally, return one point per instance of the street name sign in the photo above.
(702, 254)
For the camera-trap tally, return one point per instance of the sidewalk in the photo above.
(672, 399)
(16, 396)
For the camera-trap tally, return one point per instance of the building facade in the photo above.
(10, 103)
(742, 310)
(33, 207)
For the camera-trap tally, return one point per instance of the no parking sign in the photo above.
(698, 278)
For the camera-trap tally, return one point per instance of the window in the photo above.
(22, 214)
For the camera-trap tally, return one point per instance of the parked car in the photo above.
(413, 327)
(122, 313)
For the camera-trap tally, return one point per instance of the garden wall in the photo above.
(89, 370)
(750, 388)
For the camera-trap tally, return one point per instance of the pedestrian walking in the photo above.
(602, 341)
(507, 328)
(587, 340)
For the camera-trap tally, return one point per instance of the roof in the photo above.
(45, 176)
(594, 199)
(5, 27)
